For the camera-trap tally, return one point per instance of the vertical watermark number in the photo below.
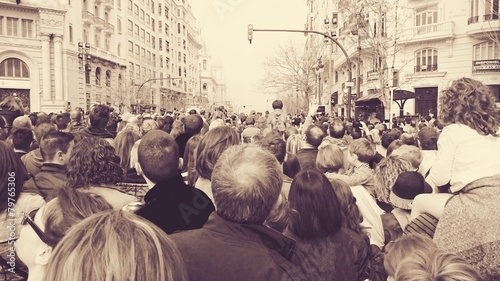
(11, 218)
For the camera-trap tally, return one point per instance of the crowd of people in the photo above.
(211, 195)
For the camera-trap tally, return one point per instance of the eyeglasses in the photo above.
(29, 219)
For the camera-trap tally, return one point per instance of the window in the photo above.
(130, 27)
(179, 57)
(204, 64)
(108, 78)
(137, 49)
(179, 28)
(130, 48)
(167, 63)
(161, 61)
(160, 25)
(131, 69)
(424, 18)
(491, 10)
(119, 49)
(178, 12)
(27, 28)
(1, 25)
(119, 4)
(426, 60)
(160, 45)
(148, 20)
(98, 76)
(184, 58)
(13, 67)
(130, 5)
(107, 43)
(180, 71)
(70, 33)
(87, 74)
(486, 51)
(138, 72)
(136, 11)
(204, 86)
(143, 53)
(167, 46)
(97, 38)
(12, 25)
(119, 25)
(153, 42)
(474, 7)
(148, 37)
(143, 34)
(152, 7)
(153, 58)
(159, 9)
(142, 15)
(166, 12)
(153, 24)
(136, 31)
(167, 29)
(184, 44)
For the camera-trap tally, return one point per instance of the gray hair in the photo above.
(246, 183)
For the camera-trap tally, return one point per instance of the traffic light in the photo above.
(334, 19)
(250, 33)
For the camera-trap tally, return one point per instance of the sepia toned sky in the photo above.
(224, 26)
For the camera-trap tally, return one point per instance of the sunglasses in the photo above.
(29, 219)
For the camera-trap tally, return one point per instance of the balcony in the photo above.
(372, 75)
(437, 31)
(87, 17)
(426, 68)
(483, 27)
(109, 28)
(99, 23)
(109, 4)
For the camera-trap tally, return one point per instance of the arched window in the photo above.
(426, 60)
(13, 67)
(98, 76)
(108, 78)
(486, 51)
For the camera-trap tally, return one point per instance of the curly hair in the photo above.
(386, 173)
(93, 162)
(470, 102)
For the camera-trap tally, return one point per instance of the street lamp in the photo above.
(319, 69)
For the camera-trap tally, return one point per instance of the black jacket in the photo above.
(173, 205)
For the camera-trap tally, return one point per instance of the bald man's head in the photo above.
(315, 135)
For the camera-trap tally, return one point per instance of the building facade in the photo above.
(60, 54)
(408, 50)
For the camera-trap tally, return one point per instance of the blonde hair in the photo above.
(115, 245)
(294, 143)
(410, 153)
(397, 250)
(330, 158)
(435, 265)
(386, 173)
(363, 148)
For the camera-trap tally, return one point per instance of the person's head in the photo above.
(148, 125)
(14, 172)
(291, 166)
(99, 116)
(210, 148)
(62, 120)
(435, 265)
(279, 218)
(92, 163)
(389, 137)
(316, 210)
(12, 103)
(427, 138)
(44, 228)
(361, 150)
(177, 128)
(4, 128)
(337, 130)
(471, 103)
(406, 187)
(351, 216)
(124, 142)
(189, 159)
(407, 120)
(410, 153)
(294, 143)
(246, 183)
(22, 122)
(275, 144)
(277, 104)
(56, 147)
(158, 156)
(409, 139)
(250, 121)
(314, 135)
(130, 248)
(330, 158)
(75, 115)
(397, 250)
(393, 146)
(43, 129)
(386, 173)
(22, 139)
(290, 130)
(193, 124)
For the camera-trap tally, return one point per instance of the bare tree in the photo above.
(289, 74)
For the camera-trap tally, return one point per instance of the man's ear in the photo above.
(138, 169)
(42, 258)
(181, 163)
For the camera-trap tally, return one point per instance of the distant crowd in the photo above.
(212, 195)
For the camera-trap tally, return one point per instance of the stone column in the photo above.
(58, 68)
(46, 67)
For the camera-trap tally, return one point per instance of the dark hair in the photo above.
(99, 116)
(277, 104)
(337, 130)
(93, 162)
(13, 173)
(314, 135)
(275, 144)
(393, 146)
(33, 116)
(211, 147)
(250, 121)
(22, 138)
(62, 121)
(470, 102)
(409, 139)
(168, 122)
(389, 137)
(351, 216)
(52, 142)
(316, 210)
(158, 155)
(193, 124)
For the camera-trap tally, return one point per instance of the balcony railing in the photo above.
(87, 17)
(426, 68)
(109, 27)
(372, 75)
(473, 19)
(489, 17)
(100, 23)
(431, 28)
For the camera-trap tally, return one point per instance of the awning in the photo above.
(404, 95)
(369, 97)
